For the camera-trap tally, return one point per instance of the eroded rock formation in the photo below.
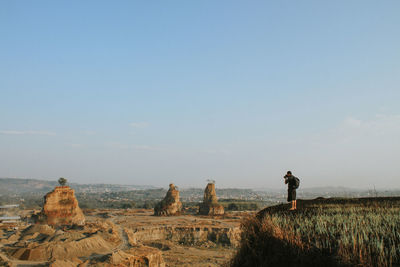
(210, 204)
(190, 235)
(61, 208)
(135, 257)
(170, 205)
(127, 238)
(75, 247)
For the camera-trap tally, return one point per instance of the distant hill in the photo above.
(313, 189)
(20, 186)
(35, 186)
(17, 186)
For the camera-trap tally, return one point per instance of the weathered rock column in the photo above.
(210, 204)
(170, 205)
(61, 208)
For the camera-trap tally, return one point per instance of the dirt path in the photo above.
(124, 237)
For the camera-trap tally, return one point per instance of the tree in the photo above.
(149, 204)
(62, 181)
(128, 205)
(233, 206)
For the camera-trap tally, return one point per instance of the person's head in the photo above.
(289, 173)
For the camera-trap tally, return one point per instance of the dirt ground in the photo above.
(202, 257)
(207, 254)
(184, 240)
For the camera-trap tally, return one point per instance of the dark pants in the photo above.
(291, 195)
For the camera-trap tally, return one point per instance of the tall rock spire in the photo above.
(170, 205)
(61, 208)
(210, 204)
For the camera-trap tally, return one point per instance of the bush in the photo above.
(149, 204)
(128, 205)
(239, 206)
(233, 206)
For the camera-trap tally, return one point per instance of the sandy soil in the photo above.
(207, 254)
(202, 253)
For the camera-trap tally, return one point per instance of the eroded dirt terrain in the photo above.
(185, 240)
(125, 238)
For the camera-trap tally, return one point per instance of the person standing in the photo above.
(293, 183)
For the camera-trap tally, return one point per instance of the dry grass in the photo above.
(365, 232)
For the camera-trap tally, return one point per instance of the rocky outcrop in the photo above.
(61, 208)
(191, 235)
(210, 204)
(170, 205)
(124, 240)
(52, 250)
(95, 244)
(134, 257)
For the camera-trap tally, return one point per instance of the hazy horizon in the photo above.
(239, 92)
(261, 188)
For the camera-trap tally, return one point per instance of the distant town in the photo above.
(28, 193)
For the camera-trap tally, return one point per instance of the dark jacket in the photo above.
(291, 181)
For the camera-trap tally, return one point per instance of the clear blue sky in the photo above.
(152, 92)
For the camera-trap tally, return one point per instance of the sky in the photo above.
(153, 92)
